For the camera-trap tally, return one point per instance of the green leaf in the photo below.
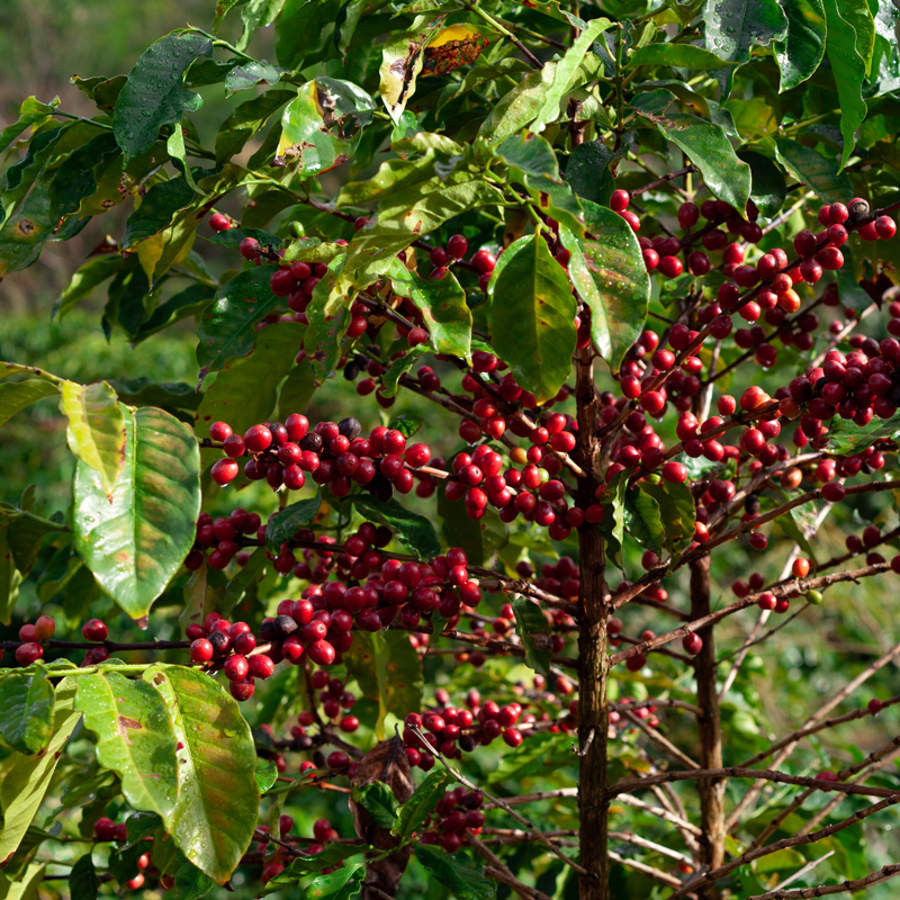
(608, 271)
(800, 52)
(96, 428)
(227, 328)
(643, 520)
(415, 531)
(134, 738)
(319, 128)
(343, 884)
(83, 880)
(413, 813)
(303, 28)
(520, 106)
(135, 537)
(846, 437)
(245, 390)
(9, 575)
(18, 395)
(257, 14)
(31, 112)
(566, 75)
(154, 94)
(217, 800)
(266, 774)
(769, 188)
(463, 880)
(379, 801)
(389, 671)
(88, 276)
(531, 316)
(816, 171)
(849, 49)
(288, 521)
(246, 121)
(709, 149)
(443, 307)
(733, 27)
(534, 633)
(678, 56)
(587, 171)
(26, 710)
(22, 885)
(158, 209)
(676, 506)
(24, 779)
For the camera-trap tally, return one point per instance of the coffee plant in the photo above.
(611, 289)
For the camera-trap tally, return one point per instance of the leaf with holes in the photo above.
(135, 537)
(217, 797)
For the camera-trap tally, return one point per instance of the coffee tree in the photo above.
(611, 291)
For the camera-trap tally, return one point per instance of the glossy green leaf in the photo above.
(134, 738)
(643, 520)
(344, 884)
(83, 880)
(18, 395)
(24, 779)
(846, 437)
(465, 881)
(676, 507)
(227, 328)
(378, 801)
(800, 52)
(26, 710)
(443, 307)
(135, 537)
(531, 316)
(288, 521)
(303, 28)
(414, 530)
(709, 149)
(96, 427)
(678, 56)
(534, 633)
(769, 187)
(245, 390)
(257, 14)
(816, 171)
(587, 171)
(217, 797)
(319, 127)
(608, 271)
(519, 107)
(9, 575)
(413, 813)
(734, 27)
(849, 49)
(154, 94)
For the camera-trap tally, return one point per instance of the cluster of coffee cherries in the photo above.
(331, 453)
(335, 702)
(277, 856)
(452, 730)
(457, 815)
(33, 636)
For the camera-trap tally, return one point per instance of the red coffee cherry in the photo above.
(202, 651)
(94, 630)
(219, 222)
(224, 471)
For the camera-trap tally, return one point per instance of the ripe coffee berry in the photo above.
(94, 630)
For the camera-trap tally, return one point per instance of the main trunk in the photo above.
(712, 790)
(593, 661)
